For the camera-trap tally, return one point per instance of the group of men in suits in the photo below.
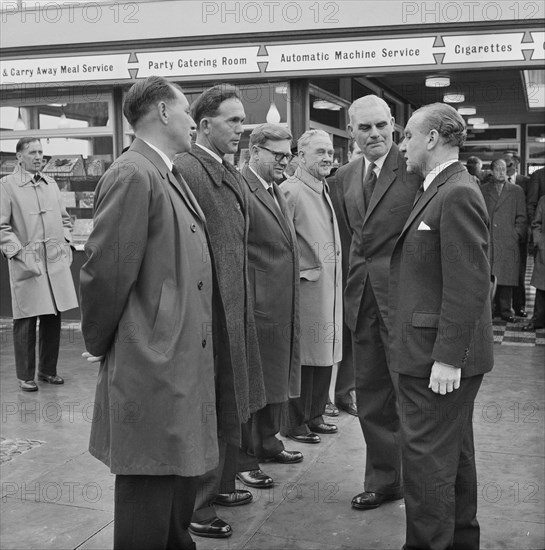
(196, 322)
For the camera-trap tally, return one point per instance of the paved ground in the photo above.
(56, 496)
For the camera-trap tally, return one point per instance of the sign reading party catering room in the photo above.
(292, 59)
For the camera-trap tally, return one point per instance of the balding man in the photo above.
(441, 333)
(377, 195)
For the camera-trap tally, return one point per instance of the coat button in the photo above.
(193, 227)
(200, 285)
(204, 343)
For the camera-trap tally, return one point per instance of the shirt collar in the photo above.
(168, 162)
(378, 163)
(264, 183)
(436, 171)
(211, 153)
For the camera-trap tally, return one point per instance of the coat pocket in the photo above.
(425, 320)
(161, 335)
(310, 274)
(21, 270)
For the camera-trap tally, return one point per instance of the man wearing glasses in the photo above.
(273, 269)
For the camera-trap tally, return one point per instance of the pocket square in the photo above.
(424, 227)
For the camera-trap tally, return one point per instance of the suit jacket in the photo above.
(35, 237)
(507, 214)
(375, 229)
(222, 194)
(273, 259)
(538, 231)
(319, 268)
(146, 300)
(536, 189)
(440, 281)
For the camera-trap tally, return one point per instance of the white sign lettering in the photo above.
(484, 48)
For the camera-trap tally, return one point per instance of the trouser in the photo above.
(306, 411)
(504, 300)
(519, 291)
(219, 480)
(346, 381)
(376, 400)
(259, 439)
(153, 512)
(440, 478)
(538, 318)
(24, 342)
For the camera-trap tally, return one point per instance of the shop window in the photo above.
(535, 147)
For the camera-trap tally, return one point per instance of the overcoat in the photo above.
(538, 232)
(273, 261)
(439, 295)
(320, 270)
(146, 302)
(35, 237)
(507, 228)
(223, 196)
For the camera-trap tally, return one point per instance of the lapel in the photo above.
(257, 189)
(182, 188)
(431, 191)
(490, 197)
(506, 191)
(356, 182)
(386, 177)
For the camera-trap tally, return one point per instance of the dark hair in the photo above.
(23, 142)
(145, 94)
(446, 121)
(267, 131)
(208, 103)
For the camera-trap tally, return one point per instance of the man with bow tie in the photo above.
(35, 237)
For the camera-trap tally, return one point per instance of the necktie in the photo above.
(499, 187)
(510, 179)
(270, 190)
(369, 183)
(37, 177)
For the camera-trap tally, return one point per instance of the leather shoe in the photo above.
(348, 406)
(214, 528)
(368, 501)
(509, 318)
(238, 497)
(521, 313)
(287, 457)
(311, 437)
(331, 409)
(324, 428)
(50, 379)
(255, 478)
(530, 327)
(28, 385)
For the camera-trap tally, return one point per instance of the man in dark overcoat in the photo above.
(274, 280)
(506, 207)
(146, 293)
(223, 195)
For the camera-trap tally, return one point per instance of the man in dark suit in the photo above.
(223, 195)
(536, 189)
(142, 313)
(519, 291)
(377, 195)
(441, 333)
(273, 262)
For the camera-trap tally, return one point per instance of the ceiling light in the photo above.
(281, 89)
(467, 111)
(19, 123)
(63, 121)
(437, 81)
(325, 104)
(475, 120)
(273, 115)
(481, 126)
(454, 97)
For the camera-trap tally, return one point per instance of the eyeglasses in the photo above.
(278, 157)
